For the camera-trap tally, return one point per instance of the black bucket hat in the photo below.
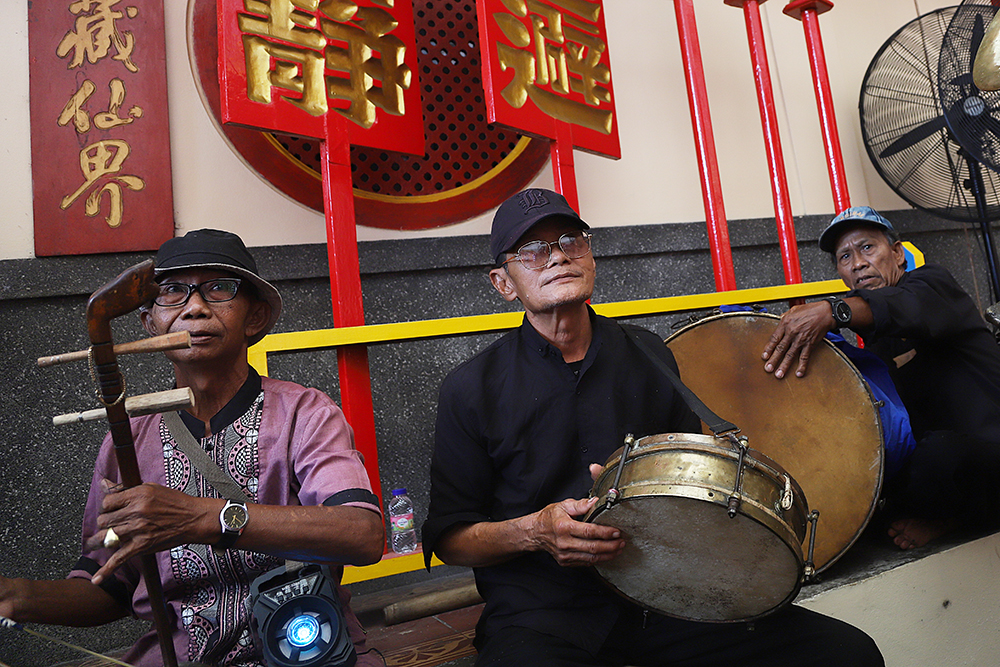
(215, 249)
(521, 212)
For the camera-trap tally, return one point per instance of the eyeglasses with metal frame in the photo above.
(217, 290)
(535, 254)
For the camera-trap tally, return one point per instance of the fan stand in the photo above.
(976, 186)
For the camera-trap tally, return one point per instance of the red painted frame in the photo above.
(704, 141)
(772, 140)
(808, 12)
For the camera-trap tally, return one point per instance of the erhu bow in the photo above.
(127, 292)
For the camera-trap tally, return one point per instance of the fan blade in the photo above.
(914, 136)
(963, 81)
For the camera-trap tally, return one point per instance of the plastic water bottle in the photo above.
(402, 535)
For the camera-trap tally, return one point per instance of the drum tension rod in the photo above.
(736, 498)
(809, 570)
(614, 495)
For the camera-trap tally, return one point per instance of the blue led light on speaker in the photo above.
(302, 631)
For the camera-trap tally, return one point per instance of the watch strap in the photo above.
(834, 301)
(228, 536)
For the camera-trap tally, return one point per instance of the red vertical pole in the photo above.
(772, 141)
(704, 141)
(808, 12)
(563, 166)
(345, 288)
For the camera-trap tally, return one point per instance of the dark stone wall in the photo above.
(46, 470)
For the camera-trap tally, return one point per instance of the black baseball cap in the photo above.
(521, 212)
(216, 249)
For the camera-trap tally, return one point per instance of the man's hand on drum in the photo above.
(798, 332)
(571, 542)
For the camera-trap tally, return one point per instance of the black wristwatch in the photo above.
(233, 518)
(841, 311)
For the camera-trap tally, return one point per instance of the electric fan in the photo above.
(925, 125)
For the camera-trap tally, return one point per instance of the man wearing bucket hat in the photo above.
(519, 429)
(288, 449)
(943, 359)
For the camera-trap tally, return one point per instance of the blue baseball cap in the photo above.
(855, 216)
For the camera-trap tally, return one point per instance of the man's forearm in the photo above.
(343, 535)
(485, 543)
(862, 318)
(75, 602)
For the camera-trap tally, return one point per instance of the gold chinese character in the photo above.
(297, 70)
(283, 19)
(104, 158)
(566, 58)
(372, 81)
(372, 59)
(96, 32)
(73, 111)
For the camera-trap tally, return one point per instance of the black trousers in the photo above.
(950, 475)
(792, 637)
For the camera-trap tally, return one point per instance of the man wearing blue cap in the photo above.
(944, 361)
(299, 489)
(519, 429)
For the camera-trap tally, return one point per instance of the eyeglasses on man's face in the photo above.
(217, 290)
(535, 254)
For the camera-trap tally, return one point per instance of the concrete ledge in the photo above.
(933, 606)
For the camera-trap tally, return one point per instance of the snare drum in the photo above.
(685, 555)
(824, 428)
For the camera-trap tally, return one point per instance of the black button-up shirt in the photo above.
(940, 353)
(517, 428)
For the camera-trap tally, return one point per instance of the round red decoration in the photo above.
(470, 166)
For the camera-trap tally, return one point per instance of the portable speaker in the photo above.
(298, 620)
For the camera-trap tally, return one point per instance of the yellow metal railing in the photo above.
(456, 326)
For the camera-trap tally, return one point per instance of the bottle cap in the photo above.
(398, 492)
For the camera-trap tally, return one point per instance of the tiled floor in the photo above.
(443, 640)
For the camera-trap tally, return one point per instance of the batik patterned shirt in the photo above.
(284, 445)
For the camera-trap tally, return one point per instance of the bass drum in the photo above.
(824, 428)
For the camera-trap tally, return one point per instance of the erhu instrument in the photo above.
(130, 290)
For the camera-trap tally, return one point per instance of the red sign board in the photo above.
(546, 62)
(100, 142)
(305, 66)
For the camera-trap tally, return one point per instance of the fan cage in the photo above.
(904, 128)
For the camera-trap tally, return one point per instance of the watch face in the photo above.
(234, 517)
(841, 312)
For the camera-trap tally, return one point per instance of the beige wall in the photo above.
(655, 181)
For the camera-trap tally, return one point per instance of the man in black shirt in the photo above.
(944, 361)
(519, 431)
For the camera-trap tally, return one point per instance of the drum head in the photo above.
(824, 429)
(687, 558)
